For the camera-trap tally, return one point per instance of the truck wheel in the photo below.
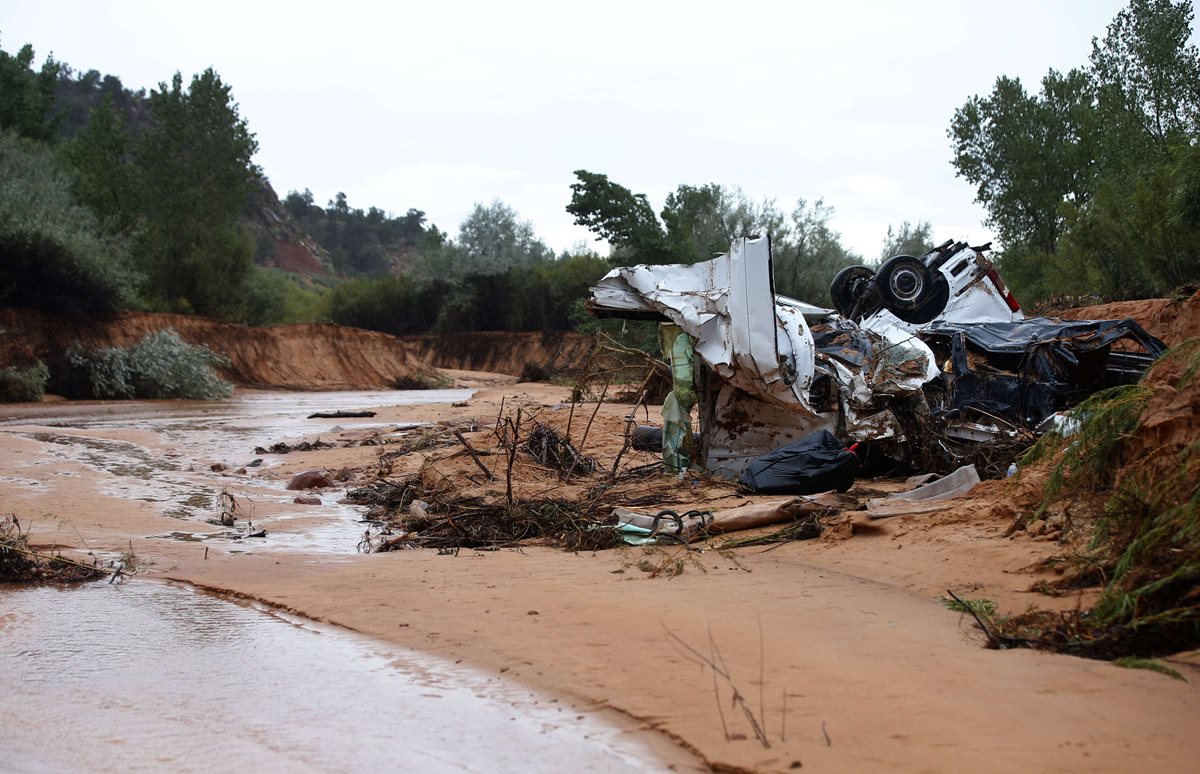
(848, 286)
(910, 290)
(904, 283)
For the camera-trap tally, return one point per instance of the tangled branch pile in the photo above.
(21, 564)
(553, 450)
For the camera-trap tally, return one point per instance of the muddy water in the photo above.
(148, 676)
(159, 452)
(151, 676)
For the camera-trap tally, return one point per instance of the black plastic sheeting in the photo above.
(815, 463)
(1036, 367)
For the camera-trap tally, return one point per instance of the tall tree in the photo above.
(194, 174)
(810, 253)
(1147, 78)
(622, 218)
(908, 239)
(104, 181)
(1027, 154)
(27, 96)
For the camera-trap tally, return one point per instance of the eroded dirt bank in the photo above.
(1171, 320)
(301, 357)
(504, 352)
(839, 646)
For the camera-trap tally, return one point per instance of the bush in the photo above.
(161, 365)
(23, 385)
(56, 256)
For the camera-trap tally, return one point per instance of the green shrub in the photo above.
(56, 256)
(23, 385)
(161, 365)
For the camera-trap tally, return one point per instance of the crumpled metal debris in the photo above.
(771, 370)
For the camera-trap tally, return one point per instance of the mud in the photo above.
(840, 645)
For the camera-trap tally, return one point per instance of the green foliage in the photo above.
(1105, 421)
(161, 365)
(1026, 154)
(53, 254)
(23, 385)
(908, 239)
(104, 180)
(984, 608)
(493, 239)
(193, 173)
(1092, 184)
(622, 218)
(362, 243)
(1146, 544)
(26, 96)
(702, 222)
(1147, 81)
(390, 304)
(1132, 662)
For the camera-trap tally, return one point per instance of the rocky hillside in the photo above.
(281, 242)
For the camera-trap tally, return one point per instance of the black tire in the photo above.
(848, 286)
(904, 283)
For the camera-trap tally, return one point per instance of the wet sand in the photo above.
(839, 648)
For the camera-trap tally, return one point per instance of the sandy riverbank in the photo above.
(839, 645)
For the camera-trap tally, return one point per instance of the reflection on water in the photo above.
(149, 676)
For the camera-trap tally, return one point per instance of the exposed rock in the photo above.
(307, 500)
(309, 479)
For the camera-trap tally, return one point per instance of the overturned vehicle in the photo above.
(928, 362)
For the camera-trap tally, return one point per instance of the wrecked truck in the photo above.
(921, 359)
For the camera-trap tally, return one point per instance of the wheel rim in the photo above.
(906, 284)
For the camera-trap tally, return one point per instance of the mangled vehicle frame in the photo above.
(928, 351)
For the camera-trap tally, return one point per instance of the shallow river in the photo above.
(144, 675)
(151, 676)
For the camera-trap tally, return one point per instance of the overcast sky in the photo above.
(441, 105)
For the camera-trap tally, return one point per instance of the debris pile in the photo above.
(20, 563)
(1119, 488)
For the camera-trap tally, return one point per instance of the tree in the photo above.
(194, 173)
(492, 239)
(53, 254)
(622, 218)
(100, 156)
(908, 239)
(27, 97)
(810, 253)
(1084, 181)
(1147, 78)
(1027, 154)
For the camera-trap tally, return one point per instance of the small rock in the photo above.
(376, 513)
(309, 479)
(307, 500)
(1056, 523)
(1036, 527)
(240, 472)
(217, 467)
(256, 463)
(343, 475)
(460, 404)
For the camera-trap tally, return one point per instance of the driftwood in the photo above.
(474, 455)
(341, 414)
